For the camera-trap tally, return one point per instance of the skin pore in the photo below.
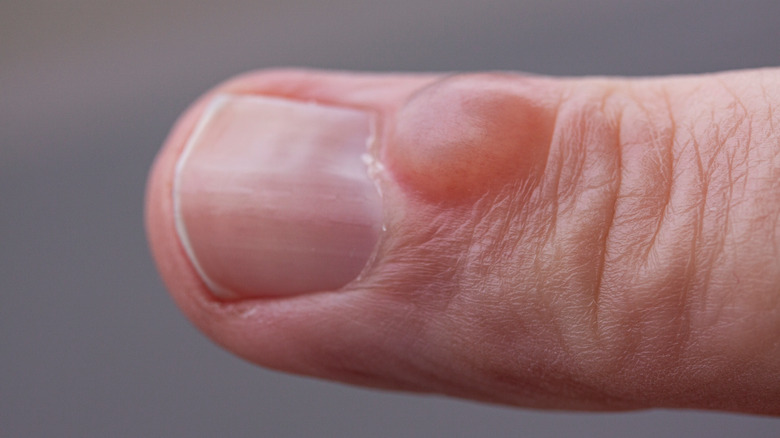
(595, 243)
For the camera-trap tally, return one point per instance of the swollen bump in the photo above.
(470, 135)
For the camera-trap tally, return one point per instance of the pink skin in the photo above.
(594, 244)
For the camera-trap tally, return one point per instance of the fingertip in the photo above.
(270, 326)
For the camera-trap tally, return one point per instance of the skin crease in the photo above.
(594, 244)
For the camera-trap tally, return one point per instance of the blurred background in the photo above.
(90, 343)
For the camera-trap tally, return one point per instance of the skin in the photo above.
(588, 244)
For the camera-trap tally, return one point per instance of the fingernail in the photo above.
(272, 197)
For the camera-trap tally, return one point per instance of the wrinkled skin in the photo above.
(600, 244)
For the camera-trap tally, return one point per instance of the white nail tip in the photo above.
(213, 107)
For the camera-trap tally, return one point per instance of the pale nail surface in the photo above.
(272, 197)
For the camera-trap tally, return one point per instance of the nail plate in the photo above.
(272, 196)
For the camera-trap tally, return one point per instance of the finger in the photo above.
(539, 242)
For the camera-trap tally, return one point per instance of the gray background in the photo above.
(90, 344)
